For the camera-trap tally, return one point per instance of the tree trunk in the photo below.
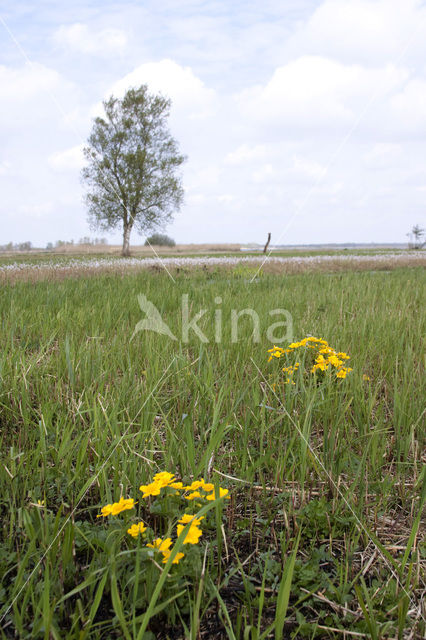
(126, 240)
(265, 249)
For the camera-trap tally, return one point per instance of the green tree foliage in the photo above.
(133, 162)
(418, 234)
(160, 240)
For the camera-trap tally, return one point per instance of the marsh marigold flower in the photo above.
(178, 556)
(187, 517)
(193, 535)
(194, 485)
(208, 486)
(117, 507)
(137, 529)
(161, 480)
(223, 493)
(164, 478)
(193, 495)
(152, 489)
(199, 484)
(160, 544)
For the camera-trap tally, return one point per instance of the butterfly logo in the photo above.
(153, 320)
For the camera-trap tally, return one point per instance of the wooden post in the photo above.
(267, 243)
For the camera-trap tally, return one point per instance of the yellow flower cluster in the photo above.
(194, 532)
(117, 507)
(137, 529)
(193, 535)
(161, 480)
(326, 357)
(289, 372)
(163, 546)
(198, 489)
(204, 490)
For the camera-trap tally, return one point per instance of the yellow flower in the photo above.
(342, 373)
(326, 356)
(164, 478)
(365, 377)
(117, 507)
(161, 480)
(193, 535)
(294, 345)
(208, 486)
(223, 493)
(194, 485)
(334, 360)
(137, 529)
(160, 544)
(152, 489)
(193, 495)
(178, 556)
(321, 363)
(187, 517)
(276, 352)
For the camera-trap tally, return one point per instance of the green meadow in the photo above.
(321, 533)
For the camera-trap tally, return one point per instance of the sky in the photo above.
(302, 118)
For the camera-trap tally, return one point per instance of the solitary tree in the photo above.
(418, 233)
(132, 165)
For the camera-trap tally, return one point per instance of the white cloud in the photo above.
(246, 153)
(5, 166)
(194, 199)
(18, 85)
(408, 107)
(313, 92)
(382, 155)
(308, 167)
(81, 38)
(37, 210)
(226, 199)
(188, 93)
(66, 160)
(32, 93)
(369, 32)
(264, 173)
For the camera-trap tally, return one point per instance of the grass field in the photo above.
(322, 535)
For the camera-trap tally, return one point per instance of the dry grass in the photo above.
(248, 268)
(137, 250)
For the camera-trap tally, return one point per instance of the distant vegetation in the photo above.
(418, 233)
(160, 240)
(19, 246)
(85, 240)
(51, 246)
